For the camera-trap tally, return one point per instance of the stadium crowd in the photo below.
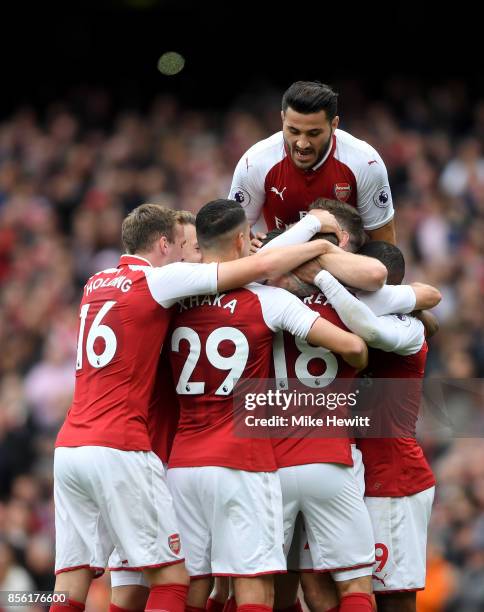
(69, 175)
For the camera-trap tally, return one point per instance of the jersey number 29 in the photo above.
(235, 363)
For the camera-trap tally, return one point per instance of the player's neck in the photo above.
(155, 259)
(219, 256)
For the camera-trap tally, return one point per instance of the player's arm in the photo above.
(430, 322)
(266, 264)
(402, 299)
(358, 271)
(182, 279)
(287, 312)
(386, 233)
(374, 201)
(248, 188)
(350, 346)
(426, 296)
(385, 332)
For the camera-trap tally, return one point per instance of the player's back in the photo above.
(121, 331)
(216, 341)
(396, 466)
(317, 368)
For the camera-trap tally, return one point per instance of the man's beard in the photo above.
(324, 150)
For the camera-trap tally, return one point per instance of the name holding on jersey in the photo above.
(118, 282)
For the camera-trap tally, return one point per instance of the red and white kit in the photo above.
(275, 193)
(400, 485)
(162, 422)
(317, 474)
(399, 482)
(226, 488)
(109, 487)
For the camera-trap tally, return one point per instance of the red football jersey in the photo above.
(216, 341)
(304, 362)
(275, 192)
(124, 316)
(396, 467)
(164, 409)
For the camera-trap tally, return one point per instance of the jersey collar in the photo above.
(330, 153)
(133, 260)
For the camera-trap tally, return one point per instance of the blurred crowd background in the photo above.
(69, 174)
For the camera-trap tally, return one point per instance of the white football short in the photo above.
(335, 534)
(107, 498)
(400, 526)
(120, 576)
(230, 520)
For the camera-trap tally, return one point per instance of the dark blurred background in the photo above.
(89, 129)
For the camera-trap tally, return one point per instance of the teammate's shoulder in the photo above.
(359, 151)
(267, 151)
(271, 293)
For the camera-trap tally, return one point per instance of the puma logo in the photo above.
(373, 161)
(279, 193)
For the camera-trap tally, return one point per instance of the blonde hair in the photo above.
(185, 217)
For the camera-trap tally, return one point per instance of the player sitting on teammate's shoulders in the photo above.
(277, 178)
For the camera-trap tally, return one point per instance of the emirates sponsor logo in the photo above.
(342, 191)
(174, 543)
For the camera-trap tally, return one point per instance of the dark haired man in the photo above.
(277, 178)
(124, 316)
(225, 489)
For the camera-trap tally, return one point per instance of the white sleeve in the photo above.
(391, 333)
(177, 280)
(299, 233)
(390, 299)
(248, 188)
(283, 310)
(374, 203)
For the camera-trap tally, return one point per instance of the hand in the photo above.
(329, 224)
(255, 243)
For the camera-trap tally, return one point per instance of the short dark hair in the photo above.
(144, 225)
(308, 97)
(348, 217)
(390, 256)
(216, 219)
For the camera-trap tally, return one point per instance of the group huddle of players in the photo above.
(150, 478)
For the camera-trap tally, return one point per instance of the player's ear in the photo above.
(335, 123)
(240, 243)
(282, 115)
(163, 245)
(345, 238)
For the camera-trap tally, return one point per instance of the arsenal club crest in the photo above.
(342, 191)
(174, 543)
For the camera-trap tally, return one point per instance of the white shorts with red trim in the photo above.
(400, 526)
(107, 498)
(230, 520)
(338, 536)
